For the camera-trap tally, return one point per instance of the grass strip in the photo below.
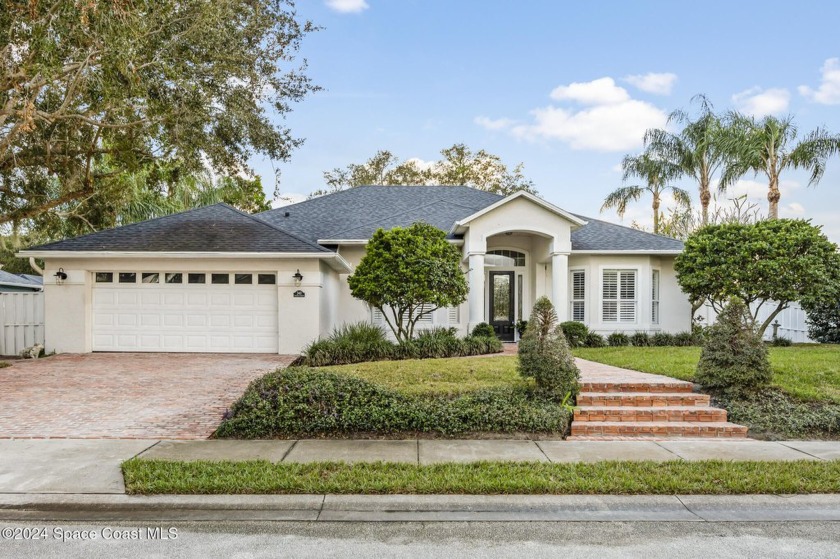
(483, 478)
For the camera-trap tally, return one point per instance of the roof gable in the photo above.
(216, 228)
(575, 220)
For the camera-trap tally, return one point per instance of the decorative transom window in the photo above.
(577, 301)
(504, 258)
(619, 296)
(654, 297)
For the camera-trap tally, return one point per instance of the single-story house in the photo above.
(25, 283)
(215, 279)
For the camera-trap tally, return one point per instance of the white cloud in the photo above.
(762, 102)
(494, 124)
(794, 209)
(658, 84)
(602, 91)
(756, 191)
(421, 164)
(348, 6)
(828, 93)
(611, 127)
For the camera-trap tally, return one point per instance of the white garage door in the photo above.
(189, 312)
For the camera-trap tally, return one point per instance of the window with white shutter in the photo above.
(426, 318)
(654, 297)
(377, 316)
(618, 296)
(578, 299)
(454, 315)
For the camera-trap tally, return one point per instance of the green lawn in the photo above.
(810, 372)
(454, 375)
(483, 478)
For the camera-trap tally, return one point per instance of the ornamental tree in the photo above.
(408, 273)
(773, 262)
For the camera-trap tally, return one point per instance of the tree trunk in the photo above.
(705, 199)
(773, 196)
(763, 327)
(656, 213)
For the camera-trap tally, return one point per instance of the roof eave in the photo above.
(623, 252)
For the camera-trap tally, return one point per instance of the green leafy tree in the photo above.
(734, 358)
(544, 354)
(90, 91)
(656, 172)
(823, 310)
(696, 148)
(769, 147)
(773, 262)
(458, 166)
(408, 273)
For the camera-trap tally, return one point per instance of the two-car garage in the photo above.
(175, 311)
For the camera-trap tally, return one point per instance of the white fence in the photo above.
(21, 321)
(791, 321)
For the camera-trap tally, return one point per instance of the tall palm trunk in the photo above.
(773, 197)
(656, 212)
(705, 198)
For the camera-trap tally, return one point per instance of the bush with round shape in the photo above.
(618, 339)
(575, 332)
(544, 354)
(483, 330)
(734, 358)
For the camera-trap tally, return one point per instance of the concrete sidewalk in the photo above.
(93, 466)
(421, 508)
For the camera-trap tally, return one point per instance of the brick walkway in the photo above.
(125, 395)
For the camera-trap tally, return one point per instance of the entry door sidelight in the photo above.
(501, 304)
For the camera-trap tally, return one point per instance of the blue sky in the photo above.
(567, 88)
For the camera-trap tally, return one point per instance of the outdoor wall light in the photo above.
(298, 277)
(60, 276)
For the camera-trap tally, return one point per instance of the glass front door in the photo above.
(501, 304)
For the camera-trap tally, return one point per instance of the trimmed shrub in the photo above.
(772, 414)
(781, 341)
(303, 402)
(686, 339)
(575, 332)
(437, 342)
(595, 340)
(544, 354)
(618, 339)
(733, 359)
(483, 330)
(640, 339)
(660, 339)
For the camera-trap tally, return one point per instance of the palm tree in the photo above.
(696, 149)
(656, 172)
(769, 146)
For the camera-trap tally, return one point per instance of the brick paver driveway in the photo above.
(125, 395)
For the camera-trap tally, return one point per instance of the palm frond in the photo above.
(620, 197)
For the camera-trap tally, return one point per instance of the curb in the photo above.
(422, 508)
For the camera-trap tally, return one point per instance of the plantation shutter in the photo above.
(609, 295)
(377, 316)
(426, 318)
(619, 296)
(578, 302)
(454, 315)
(654, 297)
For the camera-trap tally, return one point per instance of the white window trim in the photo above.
(606, 269)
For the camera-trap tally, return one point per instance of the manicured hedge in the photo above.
(355, 343)
(304, 402)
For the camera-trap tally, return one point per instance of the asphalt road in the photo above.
(534, 540)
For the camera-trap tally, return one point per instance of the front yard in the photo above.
(809, 372)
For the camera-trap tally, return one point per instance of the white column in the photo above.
(560, 284)
(476, 294)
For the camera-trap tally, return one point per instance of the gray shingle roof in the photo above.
(358, 212)
(23, 280)
(603, 235)
(217, 228)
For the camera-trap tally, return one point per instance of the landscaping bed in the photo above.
(303, 402)
(148, 477)
(803, 402)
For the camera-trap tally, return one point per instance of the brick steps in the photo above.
(655, 399)
(719, 429)
(625, 405)
(698, 414)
